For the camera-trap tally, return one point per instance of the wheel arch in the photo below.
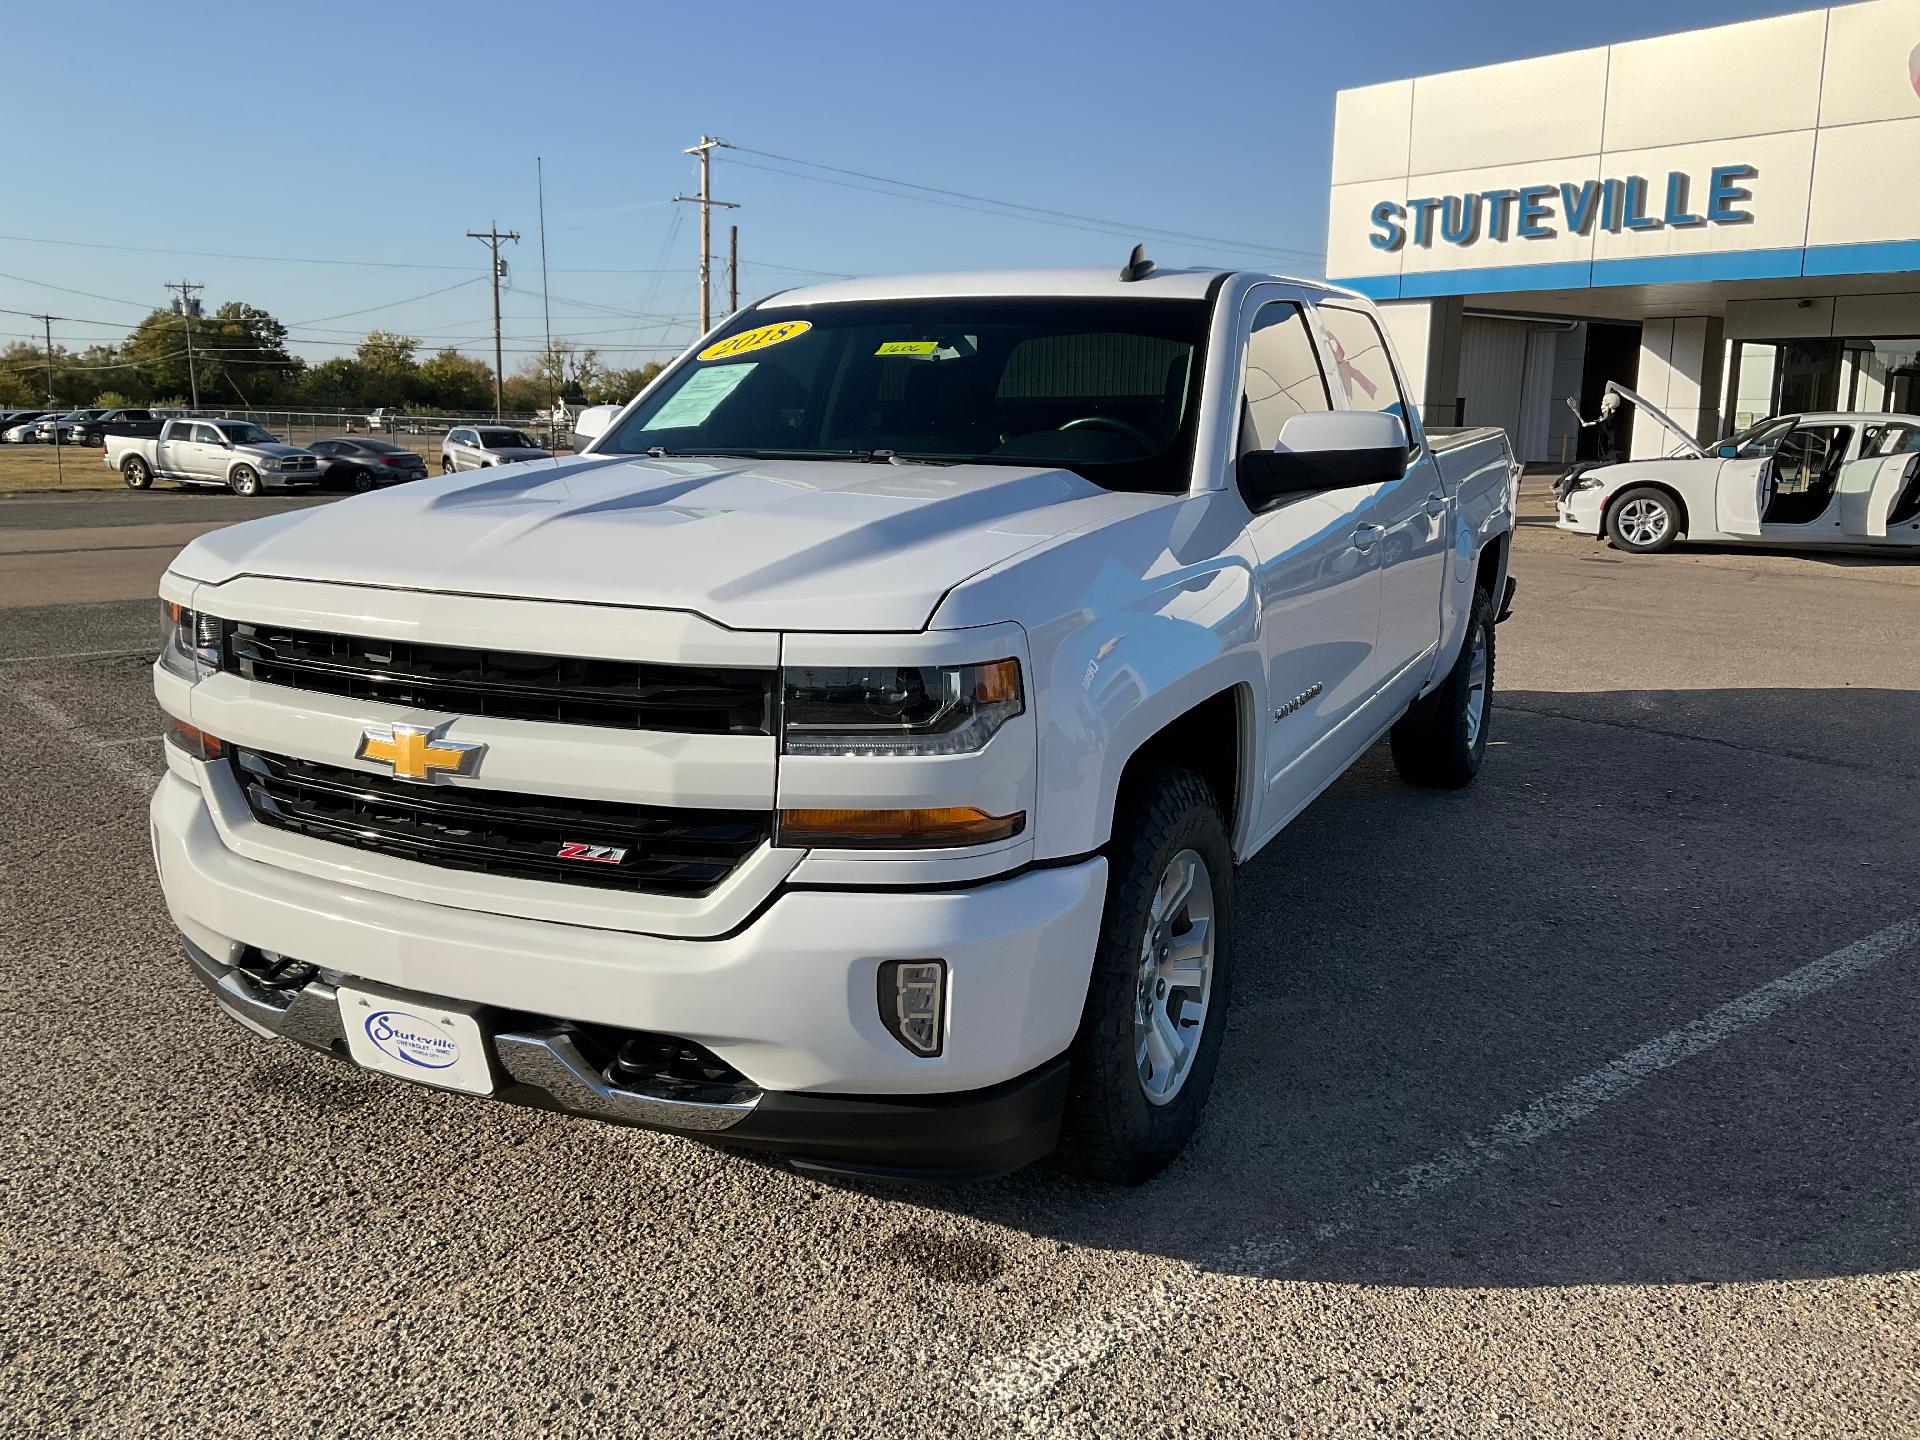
(1672, 492)
(1212, 738)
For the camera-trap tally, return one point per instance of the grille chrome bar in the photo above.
(512, 685)
(665, 850)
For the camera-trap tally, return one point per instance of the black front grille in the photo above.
(619, 694)
(661, 850)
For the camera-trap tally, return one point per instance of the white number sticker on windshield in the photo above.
(700, 396)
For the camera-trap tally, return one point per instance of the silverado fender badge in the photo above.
(415, 752)
(1297, 701)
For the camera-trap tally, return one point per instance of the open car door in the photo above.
(1740, 495)
(1869, 490)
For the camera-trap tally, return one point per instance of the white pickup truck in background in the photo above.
(235, 453)
(850, 754)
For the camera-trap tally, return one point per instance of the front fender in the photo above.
(1145, 619)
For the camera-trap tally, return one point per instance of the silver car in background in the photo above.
(476, 447)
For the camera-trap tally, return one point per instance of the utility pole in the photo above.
(491, 237)
(704, 150)
(188, 307)
(59, 463)
(546, 307)
(733, 268)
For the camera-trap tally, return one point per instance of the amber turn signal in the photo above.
(909, 829)
(195, 741)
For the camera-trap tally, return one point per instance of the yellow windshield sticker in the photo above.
(908, 347)
(758, 339)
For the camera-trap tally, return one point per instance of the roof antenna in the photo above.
(1138, 266)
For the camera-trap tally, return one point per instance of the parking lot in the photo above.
(1583, 1101)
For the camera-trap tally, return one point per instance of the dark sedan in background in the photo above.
(366, 464)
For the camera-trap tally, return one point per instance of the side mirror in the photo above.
(1326, 450)
(1728, 452)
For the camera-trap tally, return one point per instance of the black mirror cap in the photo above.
(1267, 475)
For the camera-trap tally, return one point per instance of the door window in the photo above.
(1283, 377)
(1361, 362)
(1894, 439)
(206, 435)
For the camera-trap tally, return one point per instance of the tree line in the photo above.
(240, 359)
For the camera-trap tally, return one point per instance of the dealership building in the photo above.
(1728, 221)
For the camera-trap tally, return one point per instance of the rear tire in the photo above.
(1134, 1099)
(136, 473)
(1643, 521)
(446, 466)
(243, 480)
(1442, 739)
(361, 481)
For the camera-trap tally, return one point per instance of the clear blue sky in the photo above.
(356, 132)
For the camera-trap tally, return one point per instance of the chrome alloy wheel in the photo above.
(1477, 686)
(1644, 522)
(1176, 977)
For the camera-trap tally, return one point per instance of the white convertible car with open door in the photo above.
(1816, 479)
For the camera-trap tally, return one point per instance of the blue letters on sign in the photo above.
(1722, 192)
(1390, 235)
(1614, 204)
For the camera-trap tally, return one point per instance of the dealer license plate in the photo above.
(416, 1039)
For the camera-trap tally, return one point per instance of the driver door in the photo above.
(1318, 575)
(1740, 495)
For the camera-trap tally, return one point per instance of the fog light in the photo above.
(913, 1003)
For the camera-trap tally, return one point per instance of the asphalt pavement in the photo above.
(1585, 1101)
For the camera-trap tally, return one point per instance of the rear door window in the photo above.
(1361, 363)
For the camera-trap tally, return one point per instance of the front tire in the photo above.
(1149, 1040)
(361, 481)
(244, 480)
(1442, 738)
(446, 466)
(1643, 521)
(136, 473)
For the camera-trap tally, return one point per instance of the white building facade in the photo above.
(1726, 220)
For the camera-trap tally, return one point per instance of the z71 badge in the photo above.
(596, 854)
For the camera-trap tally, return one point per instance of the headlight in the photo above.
(189, 642)
(897, 709)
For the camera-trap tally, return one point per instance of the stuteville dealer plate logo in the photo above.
(415, 752)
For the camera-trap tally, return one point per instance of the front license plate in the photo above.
(398, 1034)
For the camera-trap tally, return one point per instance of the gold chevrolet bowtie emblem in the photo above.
(418, 753)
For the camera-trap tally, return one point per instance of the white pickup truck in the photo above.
(235, 453)
(849, 755)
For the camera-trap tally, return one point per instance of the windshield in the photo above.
(1105, 388)
(505, 440)
(241, 433)
(1762, 438)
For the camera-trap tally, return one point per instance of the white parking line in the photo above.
(69, 655)
(55, 716)
(1017, 1384)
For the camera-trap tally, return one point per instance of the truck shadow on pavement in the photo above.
(1415, 966)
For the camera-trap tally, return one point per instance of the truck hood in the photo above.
(763, 545)
(274, 451)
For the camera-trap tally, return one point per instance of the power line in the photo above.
(68, 290)
(1036, 211)
(391, 304)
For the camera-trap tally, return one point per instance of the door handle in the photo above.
(1436, 505)
(1364, 536)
